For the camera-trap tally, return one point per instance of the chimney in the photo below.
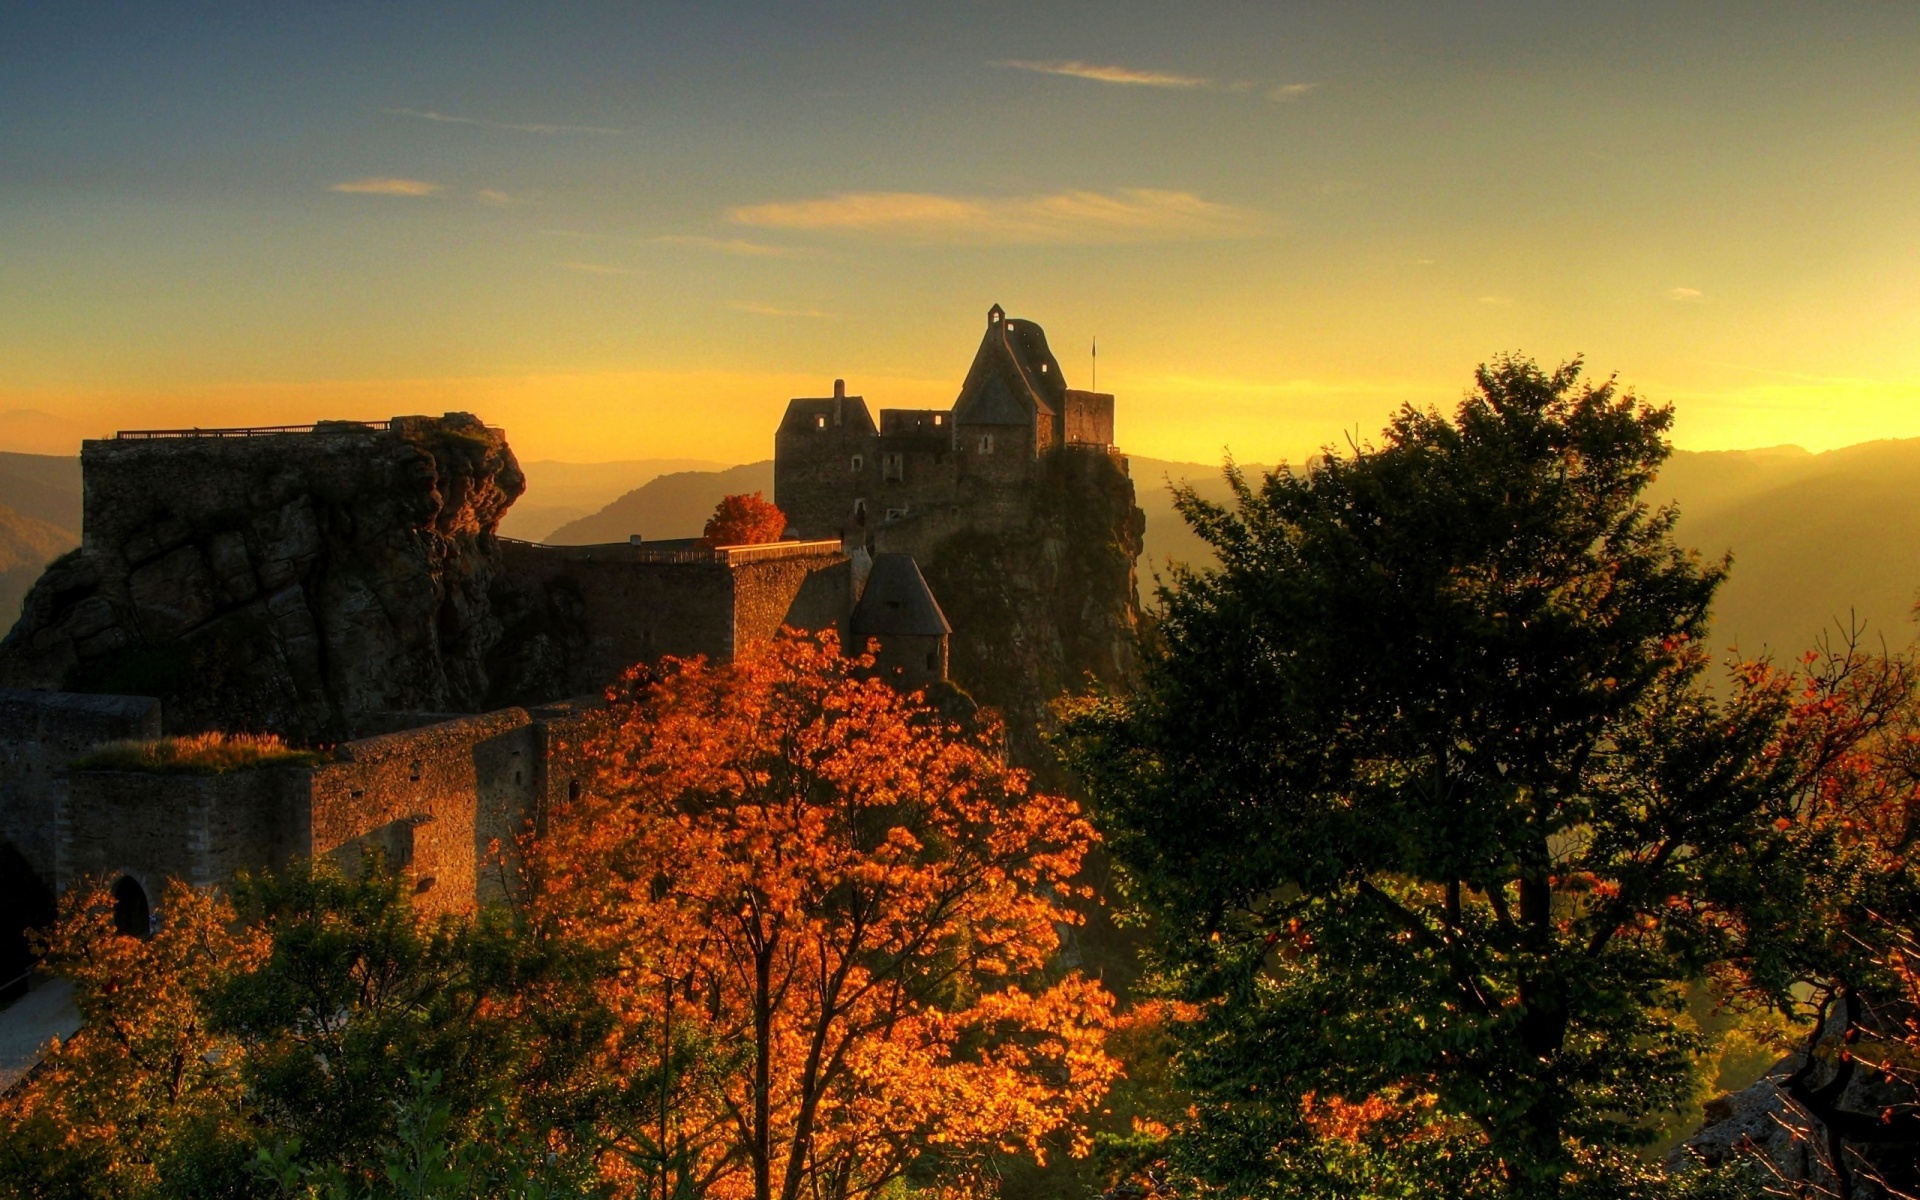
(839, 401)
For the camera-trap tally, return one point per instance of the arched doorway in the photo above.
(131, 913)
(26, 904)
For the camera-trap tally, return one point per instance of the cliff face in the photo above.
(292, 582)
(1047, 606)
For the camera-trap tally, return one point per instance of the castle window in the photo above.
(939, 418)
(858, 462)
(820, 422)
(1043, 368)
(986, 443)
(896, 514)
(893, 466)
(860, 511)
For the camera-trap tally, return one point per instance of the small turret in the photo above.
(995, 315)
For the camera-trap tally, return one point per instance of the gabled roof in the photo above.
(847, 413)
(1014, 377)
(897, 601)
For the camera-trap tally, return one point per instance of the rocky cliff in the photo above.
(1050, 605)
(297, 582)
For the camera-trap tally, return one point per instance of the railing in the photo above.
(725, 555)
(247, 431)
(146, 435)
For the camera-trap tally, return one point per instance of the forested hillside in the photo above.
(1817, 539)
(39, 520)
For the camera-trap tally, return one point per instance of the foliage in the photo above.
(196, 754)
(295, 1022)
(744, 520)
(1437, 819)
(428, 1158)
(146, 1086)
(852, 903)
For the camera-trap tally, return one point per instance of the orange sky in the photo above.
(634, 234)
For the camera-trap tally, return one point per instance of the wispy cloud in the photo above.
(1686, 293)
(1497, 301)
(1073, 217)
(1073, 68)
(739, 246)
(1107, 73)
(593, 268)
(503, 199)
(517, 126)
(382, 186)
(773, 310)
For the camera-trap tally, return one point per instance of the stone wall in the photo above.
(579, 616)
(811, 591)
(444, 805)
(1088, 418)
(441, 804)
(198, 828)
(815, 482)
(40, 733)
(284, 581)
(909, 661)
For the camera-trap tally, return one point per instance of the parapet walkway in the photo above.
(29, 1023)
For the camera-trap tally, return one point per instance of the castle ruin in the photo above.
(343, 584)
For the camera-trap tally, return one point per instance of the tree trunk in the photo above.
(762, 1074)
(1543, 1031)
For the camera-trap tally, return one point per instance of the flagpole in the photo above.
(1096, 366)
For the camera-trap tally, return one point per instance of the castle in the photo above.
(343, 584)
(920, 474)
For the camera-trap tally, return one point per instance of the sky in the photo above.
(634, 230)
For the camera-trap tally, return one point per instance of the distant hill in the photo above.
(42, 434)
(39, 521)
(45, 487)
(1818, 540)
(559, 492)
(672, 506)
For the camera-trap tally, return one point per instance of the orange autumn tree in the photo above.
(145, 1081)
(851, 904)
(744, 520)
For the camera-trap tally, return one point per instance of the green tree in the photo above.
(1435, 814)
(309, 1030)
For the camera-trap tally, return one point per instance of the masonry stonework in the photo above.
(40, 733)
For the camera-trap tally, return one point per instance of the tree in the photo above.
(1435, 814)
(744, 520)
(147, 1088)
(292, 1026)
(852, 903)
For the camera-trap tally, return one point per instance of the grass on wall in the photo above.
(196, 754)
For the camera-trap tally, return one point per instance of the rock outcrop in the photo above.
(295, 582)
(1047, 607)
(1826, 1121)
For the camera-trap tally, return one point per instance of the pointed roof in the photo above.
(897, 601)
(1014, 376)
